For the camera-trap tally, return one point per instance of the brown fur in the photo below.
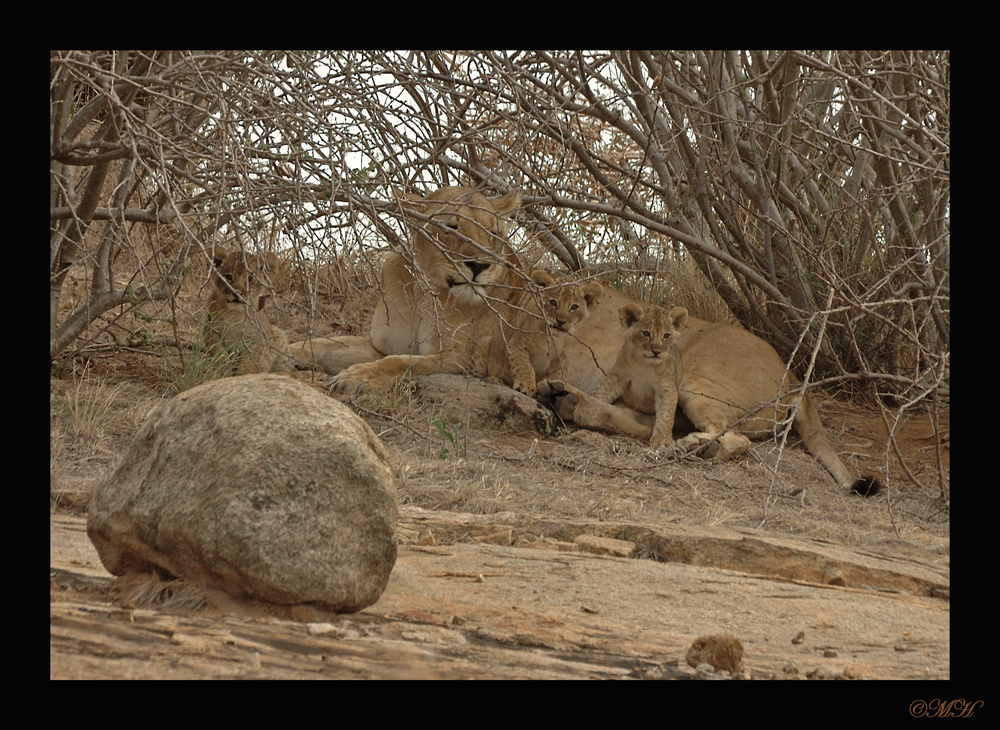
(433, 306)
(433, 309)
(527, 349)
(647, 374)
(235, 323)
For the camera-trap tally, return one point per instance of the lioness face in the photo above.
(651, 330)
(241, 278)
(566, 302)
(462, 248)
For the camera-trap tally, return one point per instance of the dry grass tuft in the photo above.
(577, 475)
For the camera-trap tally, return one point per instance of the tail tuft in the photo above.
(866, 487)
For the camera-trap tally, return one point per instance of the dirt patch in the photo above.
(501, 570)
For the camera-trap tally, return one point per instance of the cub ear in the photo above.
(542, 278)
(593, 293)
(629, 314)
(219, 256)
(677, 315)
(507, 203)
(409, 201)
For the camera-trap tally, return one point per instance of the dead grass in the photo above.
(92, 419)
(94, 410)
(590, 476)
(108, 391)
(574, 475)
(668, 282)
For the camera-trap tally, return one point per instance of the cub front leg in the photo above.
(663, 429)
(521, 369)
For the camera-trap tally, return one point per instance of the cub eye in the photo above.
(553, 303)
(229, 278)
(574, 307)
(666, 335)
(645, 333)
(249, 278)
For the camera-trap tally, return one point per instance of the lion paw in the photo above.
(358, 379)
(723, 448)
(554, 394)
(701, 443)
(379, 376)
(525, 388)
(548, 389)
(343, 384)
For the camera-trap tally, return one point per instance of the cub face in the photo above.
(525, 350)
(565, 302)
(235, 323)
(241, 279)
(651, 330)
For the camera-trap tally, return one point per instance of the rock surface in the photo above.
(474, 610)
(259, 486)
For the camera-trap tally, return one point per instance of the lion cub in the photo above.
(235, 322)
(647, 373)
(529, 351)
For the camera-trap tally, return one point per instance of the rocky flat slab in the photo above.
(514, 596)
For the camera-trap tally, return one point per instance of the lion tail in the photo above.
(810, 427)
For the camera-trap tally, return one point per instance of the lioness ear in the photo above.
(542, 278)
(677, 315)
(629, 314)
(507, 203)
(593, 293)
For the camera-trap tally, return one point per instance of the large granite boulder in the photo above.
(258, 485)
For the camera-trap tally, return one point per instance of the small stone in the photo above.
(721, 651)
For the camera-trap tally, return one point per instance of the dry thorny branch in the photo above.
(795, 186)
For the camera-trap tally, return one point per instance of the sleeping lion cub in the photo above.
(647, 374)
(235, 323)
(529, 348)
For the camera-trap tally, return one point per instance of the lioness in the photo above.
(235, 323)
(527, 349)
(647, 374)
(456, 281)
(447, 291)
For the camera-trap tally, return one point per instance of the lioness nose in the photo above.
(476, 267)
